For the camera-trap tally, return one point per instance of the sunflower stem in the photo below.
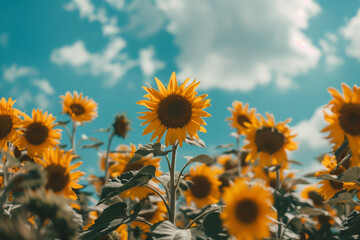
(73, 147)
(161, 196)
(172, 185)
(107, 174)
(238, 155)
(278, 190)
(200, 216)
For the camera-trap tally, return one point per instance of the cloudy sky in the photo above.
(280, 56)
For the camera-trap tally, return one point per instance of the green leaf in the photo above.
(350, 175)
(213, 226)
(312, 211)
(62, 123)
(350, 226)
(195, 142)
(11, 161)
(155, 148)
(109, 220)
(327, 176)
(94, 145)
(290, 182)
(126, 181)
(343, 196)
(202, 158)
(224, 145)
(165, 230)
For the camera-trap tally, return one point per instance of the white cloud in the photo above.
(148, 64)
(242, 44)
(144, 18)
(110, 30)
(351, 32)
(329, 47)
(118, 4)
(44, 85)
(309, 130)
(333, 62)
(4, 38)
(14, 72)
(111, 62)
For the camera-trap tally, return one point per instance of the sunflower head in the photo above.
(176, 110)
(269, 141)
(57, 166)
(39, 133)
(79, 108)
(241, 116)
(121, 125)
(246, 211)
(204, 189)
(311, 192)
(344, 119)
(10, 123)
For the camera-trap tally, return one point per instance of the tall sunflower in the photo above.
(246, 211)
(205, 188)
(10, 122)
(241, 116)
(269, 141)
(79, 108)
(176, 110)
(344, 121)
(330, 187)
(60, 179)
(122, 165)
(39, 133)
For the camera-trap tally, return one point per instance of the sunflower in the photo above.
(121, 125)
(269, 141)
(39, 133)
(57, 167)
(241, 116)
(246, 211)
(205, 186)
(80, 109)
(344, 121)
(10, 123)
(311, 192)
(155, 214)
(330, 187)
(121, 165)
(177, 110)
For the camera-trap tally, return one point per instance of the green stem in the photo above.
(278, 190)
(172, 185)
(73, 147)
(143, 221)
(238, 155)
(162, 198)
(200, 216)
(107, 174)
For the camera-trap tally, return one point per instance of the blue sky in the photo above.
(280, 56)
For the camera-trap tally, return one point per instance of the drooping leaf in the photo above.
(213, 226)
(224, 145)
(11, 161)
(155, 148)
(350, 227)
(62, 123)
(350, 175)
(312, 211)
(85, 137)
(109, 220)
(94, 145)
(195, 142)
(126, 181)
(327, 176)
(165, 230)
(202, 158)
(343, 196)
(291, 182)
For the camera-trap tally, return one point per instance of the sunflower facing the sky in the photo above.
(205, 186)
(247, 209)
(39, 133)
(121, 165)
(10, 123)
(176, 110)
(60, 179)
(241, 116)
(344, 121)
(79, 108)
(269, 141)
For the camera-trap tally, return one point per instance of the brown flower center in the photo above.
(269, 140)
(77, 109)
(5, 125)
(36, 133)
(201, 187)
(316, 198)
(336, 185)
(247, 211)
(241, 119)
(243, 156)
(225, 182)
(350, 118)
(57, 178)
(121, 126)
(133, 167)
(174, 111)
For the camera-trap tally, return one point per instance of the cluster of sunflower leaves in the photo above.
(29, 212)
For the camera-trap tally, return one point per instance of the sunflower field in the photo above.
(249, 190)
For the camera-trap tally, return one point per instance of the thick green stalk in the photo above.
(172, 185)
